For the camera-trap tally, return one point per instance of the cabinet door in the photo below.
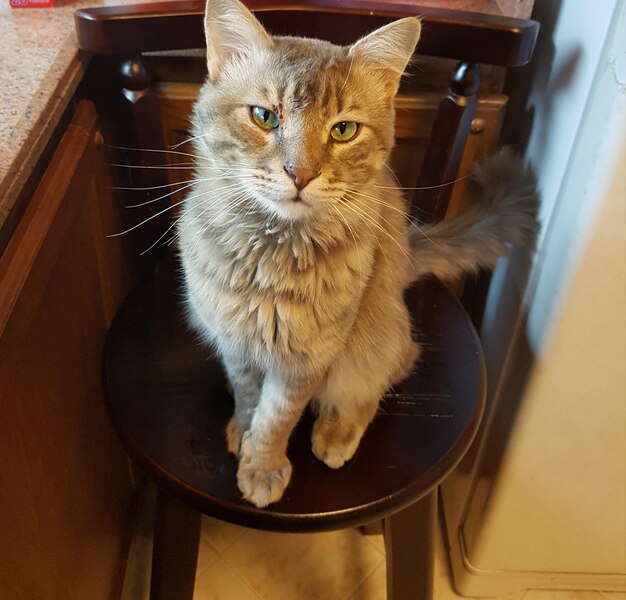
(64, 485)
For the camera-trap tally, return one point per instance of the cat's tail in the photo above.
(504, 211)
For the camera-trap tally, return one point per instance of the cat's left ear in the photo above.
(230, 30)
(390, 48)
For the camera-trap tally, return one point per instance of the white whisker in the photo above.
(161, 197)
(425, 187)
(365, 215)
(160, 151)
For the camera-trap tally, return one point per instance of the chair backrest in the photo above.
(119, 36)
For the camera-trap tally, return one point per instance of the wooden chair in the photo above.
(166, 396)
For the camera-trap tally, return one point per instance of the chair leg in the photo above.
(410, 546)
(175, 552)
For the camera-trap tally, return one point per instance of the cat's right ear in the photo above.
(230, 30)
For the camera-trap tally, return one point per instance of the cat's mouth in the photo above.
(294, 207)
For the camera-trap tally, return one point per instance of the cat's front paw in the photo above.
(333, 442)
(263, 475)
(263, 485)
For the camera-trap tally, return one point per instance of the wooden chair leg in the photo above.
(410, 546)
(175, 553)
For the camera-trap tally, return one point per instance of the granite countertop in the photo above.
(40, 68)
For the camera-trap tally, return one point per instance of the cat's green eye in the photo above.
(264, 118)
(344, 131)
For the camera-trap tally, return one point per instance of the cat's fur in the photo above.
(301, 291)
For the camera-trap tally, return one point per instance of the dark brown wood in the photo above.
(175, 550)
(139, 149)
(122, 89)
(410, 537)
(168, 402)
(65, 490)
(447, 143)
(124, 30)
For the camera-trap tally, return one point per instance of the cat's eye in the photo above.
(263, 117)
(344, 131)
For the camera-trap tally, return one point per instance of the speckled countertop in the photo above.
(40, 68)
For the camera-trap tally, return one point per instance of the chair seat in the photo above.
(167, 398)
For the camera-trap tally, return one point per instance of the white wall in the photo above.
(557, 503)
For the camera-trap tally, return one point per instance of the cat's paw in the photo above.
(263, 475)
(262, 485)
(234, 432)
(333, 442)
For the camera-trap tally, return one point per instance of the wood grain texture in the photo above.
(64, 487)
(459, 35)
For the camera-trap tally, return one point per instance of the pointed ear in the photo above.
(390, 48)
(230, 29)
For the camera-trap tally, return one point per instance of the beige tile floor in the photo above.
(244, 564)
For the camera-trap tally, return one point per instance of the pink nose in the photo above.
(300, 177)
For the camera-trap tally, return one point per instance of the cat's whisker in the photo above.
(356, 244)
(377, 200)
(170, 207)
(191, 182)
(174, 223)
(161, 197)
(392, 172)
(154, 216)
(204, 211)
(362, 211)
(160, 151)
(424, 187)
(365, 221)
(239, 201)
(177, 167)
(156, 187)
(190, 139)
(387, 205)
(355, 197)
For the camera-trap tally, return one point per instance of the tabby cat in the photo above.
(295, 242)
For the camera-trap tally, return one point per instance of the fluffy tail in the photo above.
(505, 212)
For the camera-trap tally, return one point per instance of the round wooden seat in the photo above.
(167, 398)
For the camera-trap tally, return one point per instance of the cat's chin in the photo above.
(290, 209)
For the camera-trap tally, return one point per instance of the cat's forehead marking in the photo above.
(311, 74)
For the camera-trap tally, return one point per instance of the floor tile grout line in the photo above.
(242, 577)
(217, 557)
(366, 577)
(370, 576)
(251, 589)
(250, 585)
(373, 543)
(220, 553)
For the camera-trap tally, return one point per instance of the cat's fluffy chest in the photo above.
(275, 297)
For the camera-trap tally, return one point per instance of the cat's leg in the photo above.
(264, 469)
(349, 398)
(343, 417)
(246, 382)
(339, 428)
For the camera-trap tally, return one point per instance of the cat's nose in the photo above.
(300, 177)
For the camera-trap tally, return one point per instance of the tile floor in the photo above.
(244, 564)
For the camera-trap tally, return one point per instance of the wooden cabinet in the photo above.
(64, 484)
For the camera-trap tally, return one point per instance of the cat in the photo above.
(295, 243)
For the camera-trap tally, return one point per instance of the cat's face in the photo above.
(299, 126)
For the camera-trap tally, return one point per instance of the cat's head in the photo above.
(297, 124)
